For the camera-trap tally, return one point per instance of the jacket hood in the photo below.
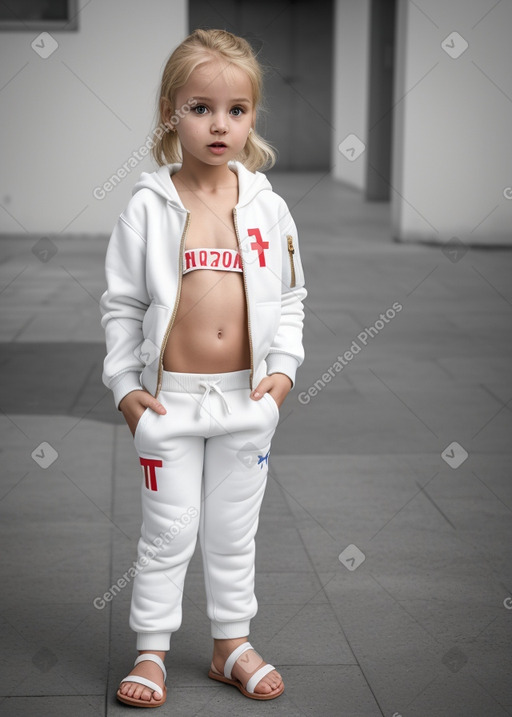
(249, 183)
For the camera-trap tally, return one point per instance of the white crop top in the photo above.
(220, 259)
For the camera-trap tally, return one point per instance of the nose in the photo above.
(219, 125)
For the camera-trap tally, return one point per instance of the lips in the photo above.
(217, 148)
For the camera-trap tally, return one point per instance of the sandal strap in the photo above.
(152, 658)
(257, 677)
(143, 681)
(230, 662)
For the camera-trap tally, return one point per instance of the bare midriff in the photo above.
(209, 334)
(210, 330)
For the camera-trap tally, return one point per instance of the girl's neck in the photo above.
(199, 177)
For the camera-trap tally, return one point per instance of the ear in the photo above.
(166, 111)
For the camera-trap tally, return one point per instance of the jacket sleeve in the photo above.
(122, 308)
(287, 352)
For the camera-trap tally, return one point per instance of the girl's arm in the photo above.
(287, 352)
(122, 307)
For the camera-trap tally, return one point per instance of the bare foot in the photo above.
(149, 670)
(245, 666)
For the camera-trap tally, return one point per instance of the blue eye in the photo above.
(238, 111)
(200, 109)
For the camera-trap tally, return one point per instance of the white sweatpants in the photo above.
(204, 470)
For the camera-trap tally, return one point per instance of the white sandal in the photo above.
(147, 683)
(256, 676)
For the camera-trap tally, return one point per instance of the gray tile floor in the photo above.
(369, 463)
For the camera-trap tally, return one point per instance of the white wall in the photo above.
(350, 90)
(452, 158)
(70, 121)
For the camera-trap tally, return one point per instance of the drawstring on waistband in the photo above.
(210, 386)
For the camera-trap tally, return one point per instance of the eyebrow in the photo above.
(209, 99)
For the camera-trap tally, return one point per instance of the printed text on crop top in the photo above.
(220, 259)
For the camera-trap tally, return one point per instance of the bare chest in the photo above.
(211, 223)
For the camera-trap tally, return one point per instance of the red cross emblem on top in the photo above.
(259, 245)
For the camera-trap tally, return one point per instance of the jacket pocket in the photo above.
(140, 422)
(268, 315)
(154, 326)
(273, 404)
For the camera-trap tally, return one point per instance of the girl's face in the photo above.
(217, 126)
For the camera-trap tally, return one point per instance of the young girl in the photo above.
(203, 318)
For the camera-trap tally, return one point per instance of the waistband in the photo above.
(194, 382)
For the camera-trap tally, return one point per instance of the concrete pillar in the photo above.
(350, 90)
(452, 148)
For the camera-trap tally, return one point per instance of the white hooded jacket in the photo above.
(144, 267)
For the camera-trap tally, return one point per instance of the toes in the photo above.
(144, 693)
(138, 692)
(148, 694)
(269, 683)
(130, 688)
(275, 678)
(263, 687)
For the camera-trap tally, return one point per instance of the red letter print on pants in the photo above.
(149, 466)
(259, 245)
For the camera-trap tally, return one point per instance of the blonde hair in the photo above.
(198, 47)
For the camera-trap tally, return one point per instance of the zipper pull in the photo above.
(291, 252)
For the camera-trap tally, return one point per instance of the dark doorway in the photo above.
(294, 44)
(380, 116)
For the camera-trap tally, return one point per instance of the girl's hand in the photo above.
(278, 385)
(133, 405)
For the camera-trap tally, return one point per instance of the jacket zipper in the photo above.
(246, 293)
(291, 252)
(175, 309)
